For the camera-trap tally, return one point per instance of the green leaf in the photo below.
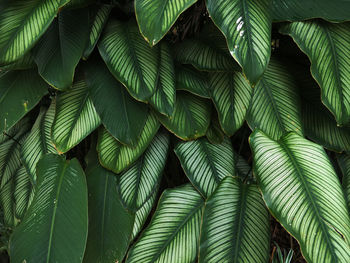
(115, 156)
(306, 200)
(295, 10)
(214, 133)
(275, 106)
(24, 62)
(138, 183)
(190, 117)
(98, 19)
(75, 117)
(110, 224)
(20, 91)
(246, 25)
(327, 46)
(61, 48)
(58, 211)
(163, 99)
(191, 80)
(167, 240)
(38, 143)
(122, 116)
(206, 164)
(155, 17)
(129, 58)
(344, 164)
(22, 23)
(236, 225)
(231, 95)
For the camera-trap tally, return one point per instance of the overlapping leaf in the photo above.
(344, 164)
(235, 225)
(58, 211)
(21, 25)
(20, 91)
(155, 17)
(328, 48)
(129, 58)
(190, 117)
(275, 106)
(308, 202)
(38, 143)
(122, 116)
(110, 224)
(231, 95)
(62, 46)
(115, 156)
(138, 183)
(75, 117)
(206, 164)
(246, 25)
(191, 80)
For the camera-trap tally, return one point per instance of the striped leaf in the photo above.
(98, 19)
(22, 23)
(214, 133)
(110, 224)
(10, 168)
(75, 117)
(190, 117)
(167, 240)
(24, 62)
(243, 169)
(206, 164)
(275, 106)
(138, 183)
(163, 99)
(235, 224)
(328, 48)
(191, 80)
(246, 25)
(129, 58)
(38, 143)
(231, 95)
(61, 48)
(302, 190)
(20, 91)
(295, 10)
(155, 17)
(344, 164)
(115, 156)
(121, 115)
(58, 211)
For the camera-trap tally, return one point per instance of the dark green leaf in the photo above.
(189, 79)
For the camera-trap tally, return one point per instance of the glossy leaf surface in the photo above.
(192, 80)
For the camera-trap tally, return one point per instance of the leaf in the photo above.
(275, 105)
(75, 117)
(296, 195)
(155, 18)
(115, 156)
(38, 143)
(294, 10)
(122, 116)
(24, 62)
(214, 133)
(236, 225)
(344, 164)
(58, 211)
(327, 46)
(163, 99)
(110, 225)
(231, 95)
(98, 19)
(246, 25)
(138, 183)
(191, 80)
(61, 48)
(129, 58)
(167, 240)
(190, 117)
(20, 91)
(206, 164)
(22, 23)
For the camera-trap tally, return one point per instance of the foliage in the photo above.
(125, 128)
